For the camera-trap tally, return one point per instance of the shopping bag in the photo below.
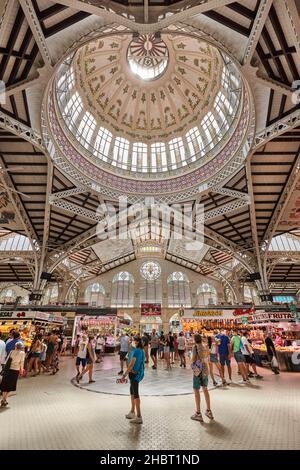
(274, 363)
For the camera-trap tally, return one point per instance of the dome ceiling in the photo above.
(108, 75)
(147, 114)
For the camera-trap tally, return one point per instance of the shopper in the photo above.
(182, 349)
(200, 377)
(271, 351)
(161, 345)
(236, 345)
(10, 336)
(175, 346)
(213, 344)
(172, 348)
(167, 351)
(51, 348)
(90, 359)
(11, 343)
(13, 368)
(154, 345)
(76, 346)
(249, 356)
(35, 357)
(2, 352)
(124, 347)
(224, 354)
(99, 348)
(135, 371)
(81, 357)
(145, 341)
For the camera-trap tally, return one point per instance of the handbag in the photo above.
(274, 363)
(7, 365)
(197, 366)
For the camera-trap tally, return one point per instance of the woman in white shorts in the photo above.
(167, 352)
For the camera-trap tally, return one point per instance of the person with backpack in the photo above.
(200, 377)
(238, 349)
(135, 371)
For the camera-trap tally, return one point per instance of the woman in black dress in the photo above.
(11, 374)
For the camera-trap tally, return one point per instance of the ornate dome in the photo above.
(112, 78)
(147, 114)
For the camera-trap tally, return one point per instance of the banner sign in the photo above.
(207, 313)
(278, 316)
(243, 312)
(150, 309)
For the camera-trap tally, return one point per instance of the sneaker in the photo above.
(197, 417)
(224, 384)
(215, 383)
(130, 415)
(92, 381)
(121, 372)
(137, 420)
(209, 414)
(242, 381)
(153, 367)
(247, 382)
(257, 376)
(251, 375)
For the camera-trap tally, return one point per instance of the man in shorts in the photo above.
(249, 356)
(236, 346)
(154, 345)
(124, 347)
(224, 354)
(81, 357)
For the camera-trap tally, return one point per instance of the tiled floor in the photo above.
(50, 413)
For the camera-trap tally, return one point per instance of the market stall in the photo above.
(105, 325)
(195, 320)
(285, 332)
(29, 323)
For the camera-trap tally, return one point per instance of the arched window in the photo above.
(122, 292)
(178, 290)
(8, 295)
(95, 295)
(206, 295)
(150, 284)
(51, 294)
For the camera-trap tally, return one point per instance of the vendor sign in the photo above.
(277, 316)
(207, 313)
(150, 309)
(243, 312)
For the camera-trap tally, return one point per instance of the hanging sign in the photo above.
(150, 309)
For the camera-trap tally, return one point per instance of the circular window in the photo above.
(147, 56)
(150, 270)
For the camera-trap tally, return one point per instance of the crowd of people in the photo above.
(17, 360)
(211, 353)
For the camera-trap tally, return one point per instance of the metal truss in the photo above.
(231, 206)
(66, 193)
(70, 207)
(276, 129)
(94, 7)
(36, 30)
(21, 130)
(283, 200)
(231, 192)
(259, 22)
(16, 254)
(274, 85)
(294, 20)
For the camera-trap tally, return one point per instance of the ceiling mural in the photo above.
(148, 110)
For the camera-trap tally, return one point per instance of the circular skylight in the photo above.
(150, 270)
(147, 56)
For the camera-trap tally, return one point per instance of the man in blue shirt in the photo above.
(10, 345)
(135, 371)
(224, 353)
